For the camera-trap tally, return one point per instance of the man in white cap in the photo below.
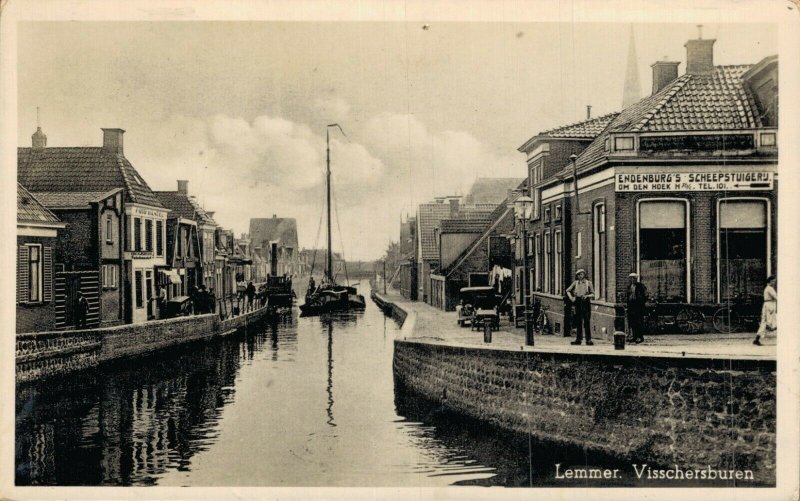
(580, 292)
(636, 296)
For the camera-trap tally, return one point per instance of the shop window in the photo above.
(599, 250)
(743, 254)
(557, 263)
(139, 286)
(663, 249)
(623, 143)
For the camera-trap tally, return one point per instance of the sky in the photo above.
(240, 108)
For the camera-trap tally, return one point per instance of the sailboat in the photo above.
(330, 296)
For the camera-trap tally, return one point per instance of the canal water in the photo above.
(292, 402)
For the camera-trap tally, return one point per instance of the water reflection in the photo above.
(295, 402)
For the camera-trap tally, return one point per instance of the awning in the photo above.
(171, 276)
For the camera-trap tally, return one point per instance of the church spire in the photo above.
(633, 88)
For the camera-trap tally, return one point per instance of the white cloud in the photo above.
(270, 165)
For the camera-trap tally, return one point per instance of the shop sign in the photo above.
(141, 255)
(141, 211)
(694, 181)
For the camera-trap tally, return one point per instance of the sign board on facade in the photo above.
(694, 181)
(141, 211)
(141, 255)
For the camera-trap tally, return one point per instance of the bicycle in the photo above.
(686, 319)
(736, 314)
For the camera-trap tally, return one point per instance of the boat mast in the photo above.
(329, 257)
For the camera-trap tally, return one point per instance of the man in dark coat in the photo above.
(81, 311)
(636, 297)
(250, 291)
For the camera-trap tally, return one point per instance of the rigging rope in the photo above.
(341, 240)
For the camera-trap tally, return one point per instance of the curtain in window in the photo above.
(662, 249)
(743, 248)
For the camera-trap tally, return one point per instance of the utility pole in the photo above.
(384, 277)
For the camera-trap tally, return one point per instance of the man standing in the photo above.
(161, 302)
(636, 297)
(81, 311)
(580, 292)
(251, 294)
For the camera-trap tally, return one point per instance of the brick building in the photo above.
(37, 235)
(115, 225)
(548, 249)
(680, 187)
(190, 242)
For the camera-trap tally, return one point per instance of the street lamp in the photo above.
(523, 206)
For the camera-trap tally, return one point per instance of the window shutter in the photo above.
(48, 275)
(22, 274)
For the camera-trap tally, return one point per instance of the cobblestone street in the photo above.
(434, 325)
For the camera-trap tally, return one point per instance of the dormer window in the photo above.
(624, 143)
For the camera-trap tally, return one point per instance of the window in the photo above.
(139, 289)
(547, 215)
(137, 233)
(558, 263)
(148, 235)
(623, 143)
(547, 258)
(558, 213)
(128, 229)
(599, 250)
(743, 247)
(179, 242)
(109, 276)
(159, 238)
(578, 244)
(109, 229)
(663, 249)
(536, 176)
(768, 139)
(537, 262)
(34, 273)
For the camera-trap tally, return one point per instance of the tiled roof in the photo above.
(81, 169)
(63, 199)
(492, 190)
(183, 206)
(30, 209)
(587, 129)
(280, 229)
(463, 225)
(430, 216)
(717, 101)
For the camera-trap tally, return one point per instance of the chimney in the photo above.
(112, 140)
(664, 73)
(39, 139)
(588, 112)
(699, 54)
(273, 259)
(453, 207)
(183, 186)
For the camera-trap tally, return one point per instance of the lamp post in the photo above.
(522, 210)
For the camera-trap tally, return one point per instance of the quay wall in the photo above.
(43, 354)
(662, 410)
